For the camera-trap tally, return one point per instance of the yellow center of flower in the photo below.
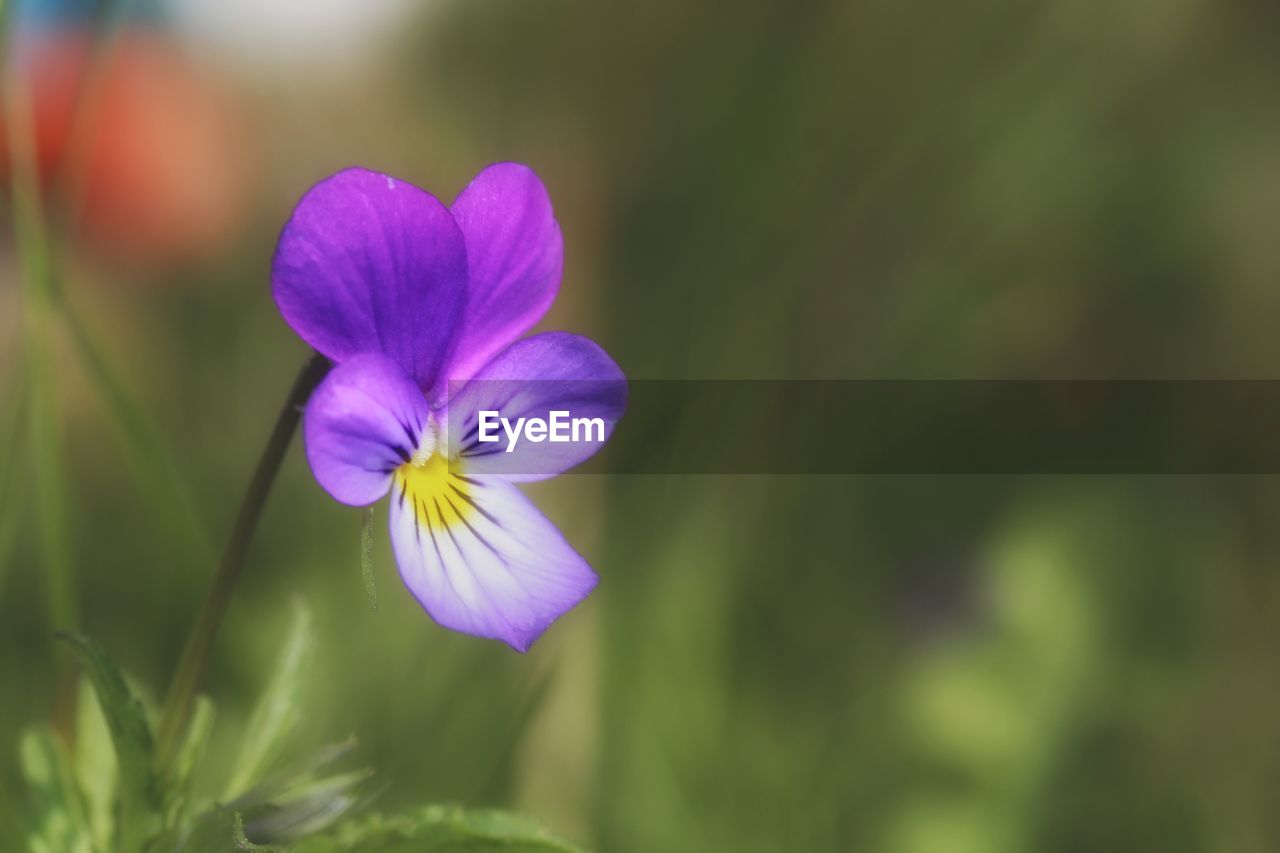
(439, 493)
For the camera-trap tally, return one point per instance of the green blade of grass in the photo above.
(14, 435)
(152, 460)
(156, 474)
(49, 480)
(279, 709)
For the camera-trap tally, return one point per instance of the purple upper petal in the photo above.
(515, 254)
(371, 264)
(364, 421)
(534, 378)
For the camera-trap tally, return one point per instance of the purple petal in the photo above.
(515, 254)
(371, 264)
(535, 378)
(480, 558)
(364, 421)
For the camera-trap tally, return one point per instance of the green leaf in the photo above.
(296, 802)
(56, 817)
(276, 784)
(440, 829)
(366, 559)
(279, 709)
(96, 770)
(124, 714)
(130, 735)
(307, 808)
(190, 755)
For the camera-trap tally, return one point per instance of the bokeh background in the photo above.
(868, 189)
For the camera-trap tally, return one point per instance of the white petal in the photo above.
(480, 558)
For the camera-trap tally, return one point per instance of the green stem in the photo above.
(195, 656)
(15, 435)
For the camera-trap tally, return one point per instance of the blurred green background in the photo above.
(877, 189)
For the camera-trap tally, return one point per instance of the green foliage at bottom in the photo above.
(439, 829)
(105, 795)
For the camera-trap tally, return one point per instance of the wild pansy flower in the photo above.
(421, 308)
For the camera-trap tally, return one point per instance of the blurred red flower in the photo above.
(158, 172)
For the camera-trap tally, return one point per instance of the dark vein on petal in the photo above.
(470, 454)
(476, 533)
(431, 530)
(475, 576)
(466, 497)
(408, 433)
(417, 526)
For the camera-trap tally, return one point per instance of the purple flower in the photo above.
(421, 307)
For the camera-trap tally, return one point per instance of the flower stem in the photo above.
(195, 655)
